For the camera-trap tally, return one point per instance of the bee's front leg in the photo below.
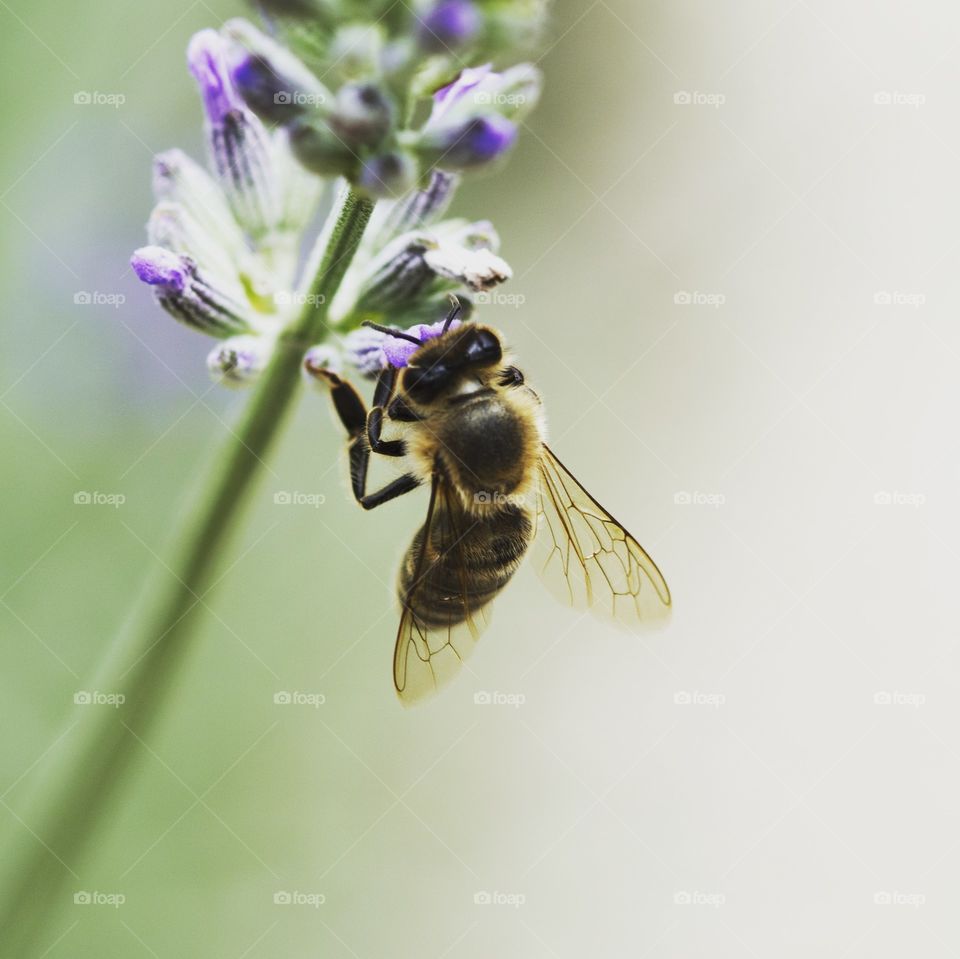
(347, 402)
(364, 429)
(381, 398)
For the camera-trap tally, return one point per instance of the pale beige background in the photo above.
(777, 773)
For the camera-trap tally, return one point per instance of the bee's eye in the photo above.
(423, 383)
(483, 347)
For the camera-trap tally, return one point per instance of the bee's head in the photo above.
(440, 365)
(440, 358)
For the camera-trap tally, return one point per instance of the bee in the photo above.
(468, 425)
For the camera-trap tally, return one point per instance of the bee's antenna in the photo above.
(455, 311)
(399, 334)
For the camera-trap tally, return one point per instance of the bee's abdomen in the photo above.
(462, 573)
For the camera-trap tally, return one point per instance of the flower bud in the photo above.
(448, 25)
(319, 359)
(301, 191)
(174, 228)
(417, 265)
(363, 114)
(240, 147)
(275, 84)
(480, 269)
(319, 149)
(398, 275)
(363, 348)
(473, 143)
(356, 50)
(188, 294)
(182, 181)
(511, 94)
(240, 360)
(389, 174)
(420, 208)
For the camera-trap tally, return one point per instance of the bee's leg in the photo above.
(347, 402)
(402, 484)
(381, 397)
(511, 376)
(378, 445)
(352, 412)
(364, 431)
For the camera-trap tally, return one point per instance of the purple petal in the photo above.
(449, 95)
(397, 351)
(207, 59)
(159, 267)
(450, 23)
(486, 138)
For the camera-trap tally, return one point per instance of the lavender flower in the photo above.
(225, 246)
(189, 295)
(363, 349)
(323, 357)
(449, 24)
(275, 84)
(380, 71)
(474, 119)
(239, 360)
(397, 351)
(240, 147)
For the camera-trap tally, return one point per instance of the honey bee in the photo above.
(469, 427)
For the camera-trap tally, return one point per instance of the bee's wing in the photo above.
(429, 654)
(586, 558)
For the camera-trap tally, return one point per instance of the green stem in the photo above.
(82, 787)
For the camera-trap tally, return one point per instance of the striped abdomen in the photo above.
(469, 560)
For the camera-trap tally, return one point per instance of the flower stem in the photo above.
(92, 758)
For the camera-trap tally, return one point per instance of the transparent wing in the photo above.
(439, 625)
(586, 558)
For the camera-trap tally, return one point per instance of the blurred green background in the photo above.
(720, 305)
